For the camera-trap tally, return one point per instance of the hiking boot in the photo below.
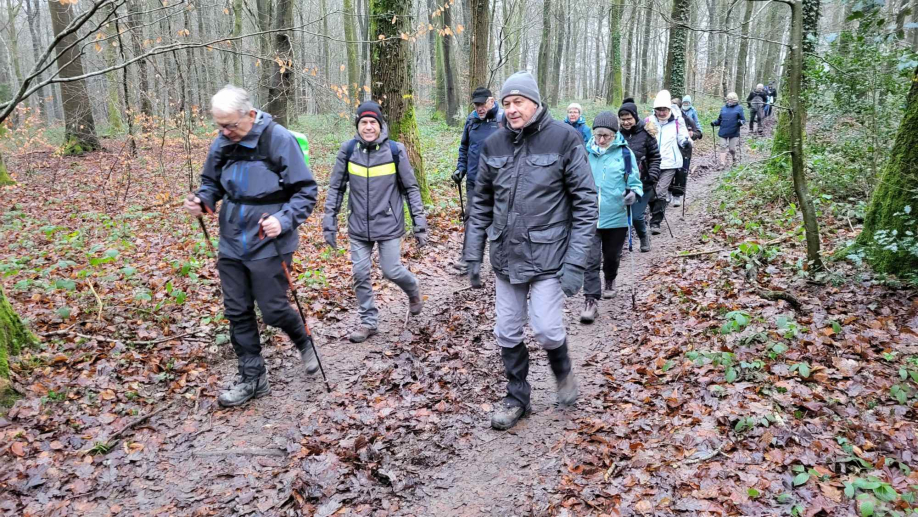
(309, 358)
(567, 391)
(507, 415)
(415, 304)
(590, 309)
(461, 267)
(609, 292)
(655, 229)
(645, 242)
(677, 201)
(244, 390)
(362, 334)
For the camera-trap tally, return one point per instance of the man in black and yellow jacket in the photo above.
(380, 177)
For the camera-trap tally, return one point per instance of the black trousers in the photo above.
(681, 178)
(244, 283)
(605, 249)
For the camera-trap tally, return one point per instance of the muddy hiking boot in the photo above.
(516, 404)
(645, 242)
(560, 362)
(245, 389)
(362, 334)
(461, 267)
(309, 358)
(609, 292)
(415, 304)
(655, 229)
(589, 312)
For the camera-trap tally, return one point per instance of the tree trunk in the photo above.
(80, 129)
(739, 82)
(280, 88)
(674, 72)
(13, 333)
(33, 16)
(645, 55)
(452, 97)
(516, 36)
(263, 8)
(544, 48)
(135, 25)
(615, 87)
(478, 51)
(392, 74)
(238, 72)
(559, 55)
(768, 70)
(353, 53)
(894, 198)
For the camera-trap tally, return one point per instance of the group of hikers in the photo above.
(555, 201)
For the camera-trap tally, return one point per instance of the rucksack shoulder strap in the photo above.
(349, 149)
(626, 155)
(393, 148)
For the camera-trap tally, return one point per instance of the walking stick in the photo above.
(309, 340)
(461, 202)
(631, 254)
(668, 227)
(206, 209)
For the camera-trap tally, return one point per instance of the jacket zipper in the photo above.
(368, 195)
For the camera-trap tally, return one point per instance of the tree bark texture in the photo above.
(447, 43)
(615, 86)
(391, 70)
(555, 80)
(13, 334)
(674, 73)
(645, 52)
(479, 50)
(353, 53)
(544, 48)
(280, 87)
(739, 82)
(80, 128)
(894, 192)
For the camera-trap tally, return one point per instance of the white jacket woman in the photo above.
(671, 135)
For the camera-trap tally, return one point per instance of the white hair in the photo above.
(575, 106)
(732, 96)
(231, 99)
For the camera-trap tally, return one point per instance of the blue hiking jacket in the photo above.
(474, 134)
(692, 113)
(608, 168)
(581, 126)
(730, 120)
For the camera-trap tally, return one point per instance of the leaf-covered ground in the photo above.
(714, 396)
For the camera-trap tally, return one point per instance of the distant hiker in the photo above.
(255, 166)
(689, 110)
(644, 147)
(772, 98)
(479, 125)
(535, 204)
(677, 187)
(730, 120)
(618, 184)
(380, 177)
(757, 99)
(671, 135)
(575, 120)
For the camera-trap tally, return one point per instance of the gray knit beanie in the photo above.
(606, 119)
(521, 83)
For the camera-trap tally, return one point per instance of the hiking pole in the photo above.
(631, 254)
(668, 227)
(309, 340)
(206, 209)
(461, 202)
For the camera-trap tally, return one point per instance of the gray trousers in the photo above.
(392, 268)
(541, 302)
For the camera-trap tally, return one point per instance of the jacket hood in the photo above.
(635, 129)
(250, 140)
(383, 136)
(595, 150)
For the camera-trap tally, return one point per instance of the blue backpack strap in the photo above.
(349, 149)
(393, 148)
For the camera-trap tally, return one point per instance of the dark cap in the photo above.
(368, 109)
(481, 94)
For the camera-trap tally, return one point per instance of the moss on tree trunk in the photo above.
(392, 75)
(895, 191)
(5, 178)
(13, 335)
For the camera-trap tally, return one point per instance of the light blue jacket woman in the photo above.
(608, 167)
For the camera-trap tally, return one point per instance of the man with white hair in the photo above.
(256, 167)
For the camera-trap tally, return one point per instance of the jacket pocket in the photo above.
(497, 253)
(496, 162)
(547, 247)
(542, 160)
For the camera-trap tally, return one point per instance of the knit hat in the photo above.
(368, 109)
(606, 119)
(521, 83)
(628, 106)
(663, 100)
(575, 105)
(687, 100)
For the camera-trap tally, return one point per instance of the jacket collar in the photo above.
(381, 139)
(541, 117)
(635, 129)
(580, 121)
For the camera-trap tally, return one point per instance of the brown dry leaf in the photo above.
(18, 449)
(107, 394)
(643, 506)
(56, 445)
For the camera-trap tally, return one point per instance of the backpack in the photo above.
(349, 151)
(261, 152)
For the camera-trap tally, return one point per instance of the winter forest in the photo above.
(748, 345)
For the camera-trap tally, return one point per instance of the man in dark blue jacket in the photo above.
(479, 125)
(255, 168)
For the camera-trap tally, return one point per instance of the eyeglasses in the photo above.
(232, 126)
(604, 136)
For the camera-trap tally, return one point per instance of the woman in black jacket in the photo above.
(644, 147)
